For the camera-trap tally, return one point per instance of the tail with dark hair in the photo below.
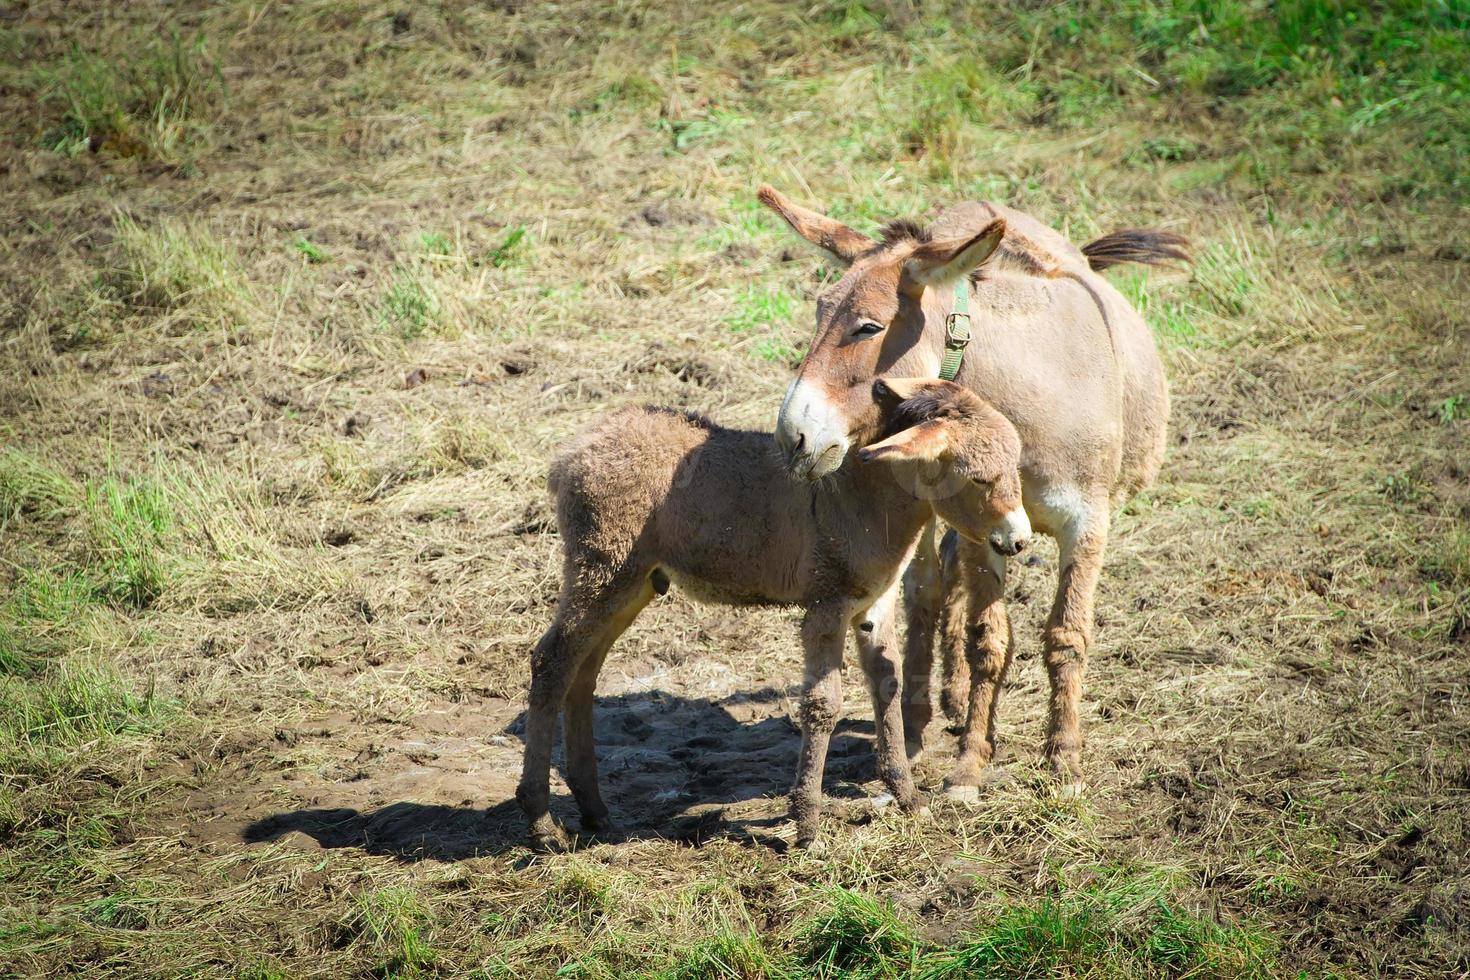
(1144, 246)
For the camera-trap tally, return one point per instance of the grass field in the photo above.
(297, 299)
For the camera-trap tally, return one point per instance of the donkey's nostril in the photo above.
(800, 443)
(1019, 544)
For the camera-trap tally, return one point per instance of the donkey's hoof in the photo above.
(809, 838)
(549, 842)
(1071, 789)
(604, 831)
(962, 793)
(546, 835)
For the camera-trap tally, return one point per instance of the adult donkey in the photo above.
(1058, 351)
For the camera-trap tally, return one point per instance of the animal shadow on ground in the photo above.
(672, 767)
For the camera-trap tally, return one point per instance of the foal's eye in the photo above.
(867, 328)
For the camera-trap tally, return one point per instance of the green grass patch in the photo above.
(1168, 316)
(716, 127)
(757, 306)
(45, 611)
(508, 250)
(856, 937)
(1446, 570)
(1453, 409)
(178, 266)
(73, 701)
(581, 894)
(128, 520)
(153, 102)
(392, 924)
(747, 222)
(435, 243)
(731, 956)
(32, 489)
(409, 306)
(1215, 306)
(308, 250)
(942, 101)
(1121, 926)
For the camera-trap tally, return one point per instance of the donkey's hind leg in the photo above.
(1068, 638)
(581, 757)
(583, 617)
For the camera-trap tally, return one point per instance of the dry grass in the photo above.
(298, 300)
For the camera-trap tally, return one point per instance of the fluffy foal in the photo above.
(650, 496)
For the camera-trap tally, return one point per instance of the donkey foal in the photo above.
(650, 496)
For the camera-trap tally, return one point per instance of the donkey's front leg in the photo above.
(878, 653)
(949, 636)
(988, 647)
(822, 635)
(921, 605)
(1068, 637)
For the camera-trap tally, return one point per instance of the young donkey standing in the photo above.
(649, 496)
(1058, 351)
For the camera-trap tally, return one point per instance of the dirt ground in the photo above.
(282, 362)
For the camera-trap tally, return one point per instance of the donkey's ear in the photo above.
(826, 233)
(941, 263)
(927, 441)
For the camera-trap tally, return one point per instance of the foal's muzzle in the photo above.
(1012, 534)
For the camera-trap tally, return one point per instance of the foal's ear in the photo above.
(941, 263)
(902, 389)
(926, 441)
(826, 233)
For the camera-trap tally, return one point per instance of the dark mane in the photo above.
(902, 230)
(928, 405)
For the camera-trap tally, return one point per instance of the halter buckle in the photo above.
(956, 335)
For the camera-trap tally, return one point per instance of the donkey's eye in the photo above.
(867, 328)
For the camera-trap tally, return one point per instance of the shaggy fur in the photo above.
(649, 496)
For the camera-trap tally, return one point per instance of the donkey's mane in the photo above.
(901, 230)
(1016, 251)
(1144, 246)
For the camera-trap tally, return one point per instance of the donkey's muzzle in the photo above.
(1012, 534)
(810, 433)
(1007, 548)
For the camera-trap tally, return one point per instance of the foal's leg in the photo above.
(822, 634)
(950, 636)
(988, 646)
(878, 654)
(1068, 637)
(552, 663)
(581, 617)
(577, 743)
(921, 602)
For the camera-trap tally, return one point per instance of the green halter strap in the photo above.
(956, 331)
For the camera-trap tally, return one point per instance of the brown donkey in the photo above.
(650, 496)
(1058, 351)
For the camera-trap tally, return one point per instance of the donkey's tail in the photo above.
(1146, 246)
